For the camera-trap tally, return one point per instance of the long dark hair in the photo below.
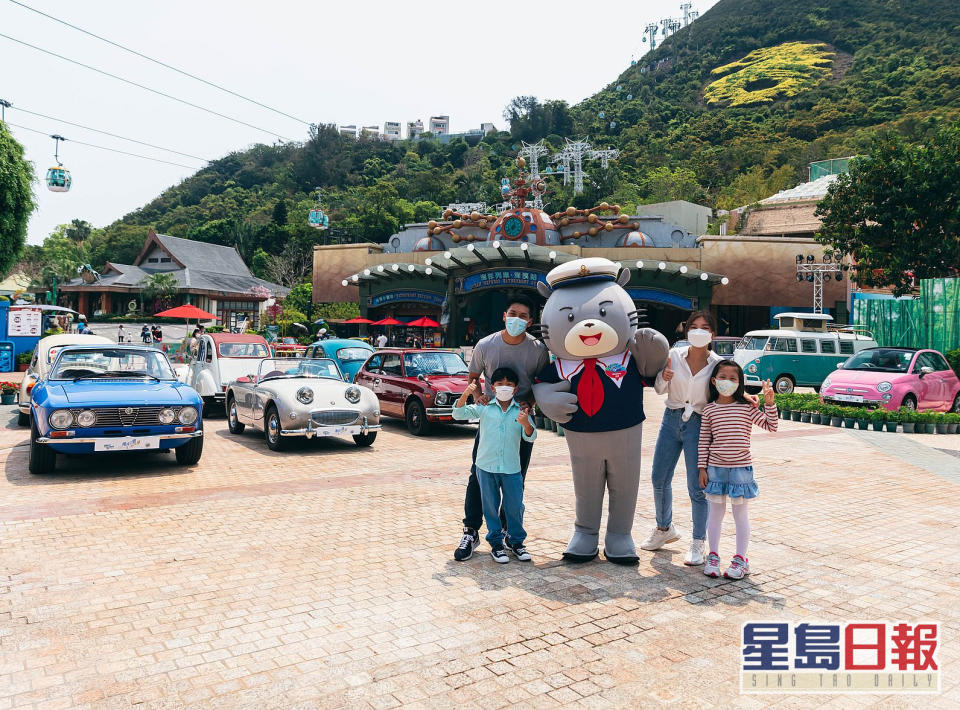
(706, 315)
(738, 395)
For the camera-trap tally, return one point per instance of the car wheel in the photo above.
(783, 384)
(271, 429)
(23, 419)
(189, 453)
(365, 439)
(233, 422)
(416, 418)
(909, 401)
(956, 405)
(43, 459)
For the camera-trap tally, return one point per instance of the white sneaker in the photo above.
(694, 555)
(658, 538)
(739, 567)
(712, 568)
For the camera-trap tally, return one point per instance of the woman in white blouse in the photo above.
(685, 380)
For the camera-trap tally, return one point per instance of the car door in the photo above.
(941, 376)
(393, 392)
(925, 385)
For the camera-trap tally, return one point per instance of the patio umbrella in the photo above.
(388, 321)
(424, 322)
(186, 311)
(358, 320)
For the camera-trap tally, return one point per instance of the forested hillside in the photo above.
(724, 112)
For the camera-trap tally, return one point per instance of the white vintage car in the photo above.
(218, 360)
(43, 356)
(302, 397)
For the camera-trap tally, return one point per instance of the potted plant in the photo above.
(953, 422)
(908, 418)
(805, 408)
(835, 416)
(8, 392)
(815, 414)
(943, 424)
(849, 415)
(929, 422)
(877, 418)
(23, 361)
(892, 420)
(862, 415)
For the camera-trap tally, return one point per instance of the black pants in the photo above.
(472, 505)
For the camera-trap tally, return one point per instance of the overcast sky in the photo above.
(324, 62)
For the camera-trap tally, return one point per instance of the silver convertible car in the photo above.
(302, 397)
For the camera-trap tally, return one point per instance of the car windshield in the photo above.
(434, 363)
(752, 342)
(353, 354)
(880, 360)
(251, 350)
(273, 368)
(107, 362)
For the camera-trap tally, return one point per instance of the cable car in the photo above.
(317, 219)
(58, 177)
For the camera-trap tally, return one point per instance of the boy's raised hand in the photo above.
(524, 416)
(768, 392)
(471, 388)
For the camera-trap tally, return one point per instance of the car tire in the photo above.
(784, 384)
(416, 418)
(909, 401)
(272, 423)
(365, 440)
(43, 459)
(23, 419)
(233, 422)
(189, 453)
(956, 405)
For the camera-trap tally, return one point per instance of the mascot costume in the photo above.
(595, 390)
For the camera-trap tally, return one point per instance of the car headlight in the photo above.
(442, 398)
(166, 416)
(305, 395)
(188, 415)
(826, 383)
(60, 419)
(884, 386)
(352, 394)
(86, 418)
(752, 369)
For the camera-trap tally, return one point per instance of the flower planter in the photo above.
(836, 421)
(952, 428)
(863, 424)
(815, 417)
(891, 426)
(22, 366)
(877, 426)
(849, 422)
(805, 417)
(795, 416)
(784, 413)
(943, 428)
(929, 428)
(909, 427)
(8, 398)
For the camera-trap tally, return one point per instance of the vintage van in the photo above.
(800, 353)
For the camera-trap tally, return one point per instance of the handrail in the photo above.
(850, 328)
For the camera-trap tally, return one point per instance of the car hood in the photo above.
(447, 383)
(90, 393)
(864, 377)
(233, 367)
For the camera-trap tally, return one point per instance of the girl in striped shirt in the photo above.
(726, 470)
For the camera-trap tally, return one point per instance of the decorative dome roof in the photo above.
(429, 244)
(635, 239)
(525, 224)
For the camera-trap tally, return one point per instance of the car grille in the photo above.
(127, 416)
(335, 417)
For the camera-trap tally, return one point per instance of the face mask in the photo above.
(516, 326)
(504, 392)
(699, 337)
(726, 387)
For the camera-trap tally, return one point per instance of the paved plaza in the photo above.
(323, 577)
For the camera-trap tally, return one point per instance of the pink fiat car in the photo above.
(894, 378)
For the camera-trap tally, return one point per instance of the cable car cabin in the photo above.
(317, 219)
(58, 179)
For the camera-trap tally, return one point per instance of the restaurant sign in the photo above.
(499, 278)
(405, 296)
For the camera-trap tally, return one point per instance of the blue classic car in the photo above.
(99, 398)
(348, 354)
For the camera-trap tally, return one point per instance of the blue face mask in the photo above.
(516, 326)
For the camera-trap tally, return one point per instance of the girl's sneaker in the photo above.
(739, 567)
(499, 554)
(712, 568)
(519, 551)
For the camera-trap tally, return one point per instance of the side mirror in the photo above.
(925, 371)
(421, 377)
(839, 365)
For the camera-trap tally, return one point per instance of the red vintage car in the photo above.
(417, 385)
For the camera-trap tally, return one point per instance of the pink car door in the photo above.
(926, 386)
(944, 379)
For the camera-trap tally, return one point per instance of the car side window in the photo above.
(808, 346)
(939, 363)
(784, 345)
(391, 365)
(209, 353)
(924, 360)
(374, 364)
(828, 347)
(846, 347)
(200, 349)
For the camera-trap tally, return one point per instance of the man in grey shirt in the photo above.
(511, 347)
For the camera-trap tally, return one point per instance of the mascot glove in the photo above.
(556, 400)
(649, 349)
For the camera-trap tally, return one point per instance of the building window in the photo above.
(165, 259)
(152, 260)
(232, 313)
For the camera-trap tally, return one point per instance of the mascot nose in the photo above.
(588, 325)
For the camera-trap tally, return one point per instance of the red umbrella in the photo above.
(388, 321)
(424, 323)
(358, 320)
(186, 311)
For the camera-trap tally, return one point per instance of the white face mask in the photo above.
(726, 387)
(504, 392)
(699, 337)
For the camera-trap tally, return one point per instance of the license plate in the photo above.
(127, 443)
(848, 397)
(338, 430)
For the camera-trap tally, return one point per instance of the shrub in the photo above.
(8, 387)
(953, 357)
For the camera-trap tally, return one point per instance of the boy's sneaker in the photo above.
(712, 568)
(658, 538)
(739, 567)
(499, 554)
(519, 551)
(694, 555)
(468, 543)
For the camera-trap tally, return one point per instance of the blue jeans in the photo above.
(675, 436)
(511, 484)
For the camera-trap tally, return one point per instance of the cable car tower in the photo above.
(58, 177)
(572, 156)
(604, 156)
(532, 152)
(648, 32)
(317, 219)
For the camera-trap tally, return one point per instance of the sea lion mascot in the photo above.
(595, 390)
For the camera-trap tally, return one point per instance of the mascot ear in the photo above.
(543, 289)
(623, 278)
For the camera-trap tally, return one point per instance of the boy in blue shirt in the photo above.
(502, 425)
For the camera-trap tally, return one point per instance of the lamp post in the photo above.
(816, 272)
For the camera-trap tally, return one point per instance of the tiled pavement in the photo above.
(323, 577)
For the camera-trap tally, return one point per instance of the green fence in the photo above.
(930, 321)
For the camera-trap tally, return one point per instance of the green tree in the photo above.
(16, 199)
(279, 215)
(78, 231)
(299, 297)
(158, 289)
(663, 184)
(897, 212)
